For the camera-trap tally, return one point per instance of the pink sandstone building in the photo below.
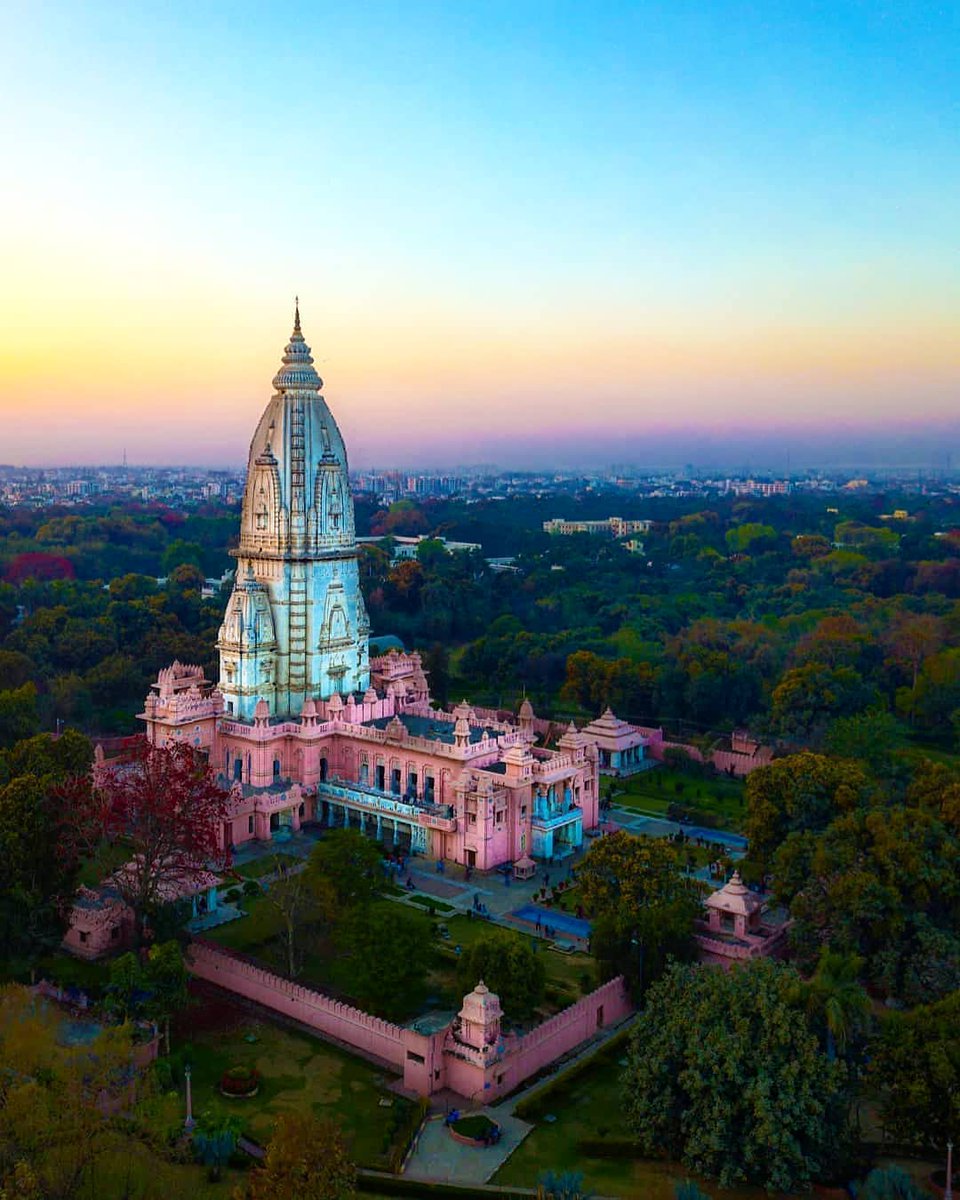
(737, 927)
(305, 727)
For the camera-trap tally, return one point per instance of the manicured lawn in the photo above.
(653, 791)
(261, 923)
(259, 867)
(298, 1072)
(590, 1106)
(67, 971)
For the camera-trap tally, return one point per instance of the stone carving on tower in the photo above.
(297, 571)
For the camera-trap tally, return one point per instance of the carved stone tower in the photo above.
(296, 627)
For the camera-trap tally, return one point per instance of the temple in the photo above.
(305, 727)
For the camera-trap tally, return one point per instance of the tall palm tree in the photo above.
(835, 1000)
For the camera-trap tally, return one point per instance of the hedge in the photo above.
(399, 1185)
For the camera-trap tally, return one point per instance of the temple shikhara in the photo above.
(305, 726)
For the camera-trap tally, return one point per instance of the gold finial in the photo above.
(296, 315)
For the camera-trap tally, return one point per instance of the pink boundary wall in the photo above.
(427, 1062)
(740, 761)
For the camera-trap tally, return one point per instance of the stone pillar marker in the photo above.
(189, 1124)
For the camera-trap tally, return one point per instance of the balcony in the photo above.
(421, 811)
(557, 820)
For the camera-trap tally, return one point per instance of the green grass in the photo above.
(590, 1106)
(258, 867)
(653, 791)
(260, 925)
(67, 971)
(297, 1072)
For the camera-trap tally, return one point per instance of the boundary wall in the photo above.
(427, 1062)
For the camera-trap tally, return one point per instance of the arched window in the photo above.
(276, 768)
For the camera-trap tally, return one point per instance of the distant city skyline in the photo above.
(545, 234)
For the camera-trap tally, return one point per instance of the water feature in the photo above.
(559, 920)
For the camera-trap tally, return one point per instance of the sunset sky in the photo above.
(521, 232)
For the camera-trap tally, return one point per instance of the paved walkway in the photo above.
(440, 1158)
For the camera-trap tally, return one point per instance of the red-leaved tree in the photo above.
(165, 804)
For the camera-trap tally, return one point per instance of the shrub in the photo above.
(233, 895)
(476, 1126)
(251, 888)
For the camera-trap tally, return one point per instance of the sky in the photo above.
(524, 233)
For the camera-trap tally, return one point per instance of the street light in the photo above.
(948, 1190)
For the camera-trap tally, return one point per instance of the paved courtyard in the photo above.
(440, 1158)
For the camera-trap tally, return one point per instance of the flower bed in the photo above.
(475, 1130)
(240, 1083)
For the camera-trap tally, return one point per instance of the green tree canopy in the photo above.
(389, 950)
(800, 793)
(726, 1075)
(915, 1062)
(508, 966)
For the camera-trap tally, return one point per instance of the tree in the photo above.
(299, 896)
(915, 1062)
(874, 878)
(345, 870)
(642, 903)
(872, 737)
(509, 967)
(389, 951)
(725, 1075)
(215, 1139)
(835, 1002)
(890, 1183)
(561, 1185)
(165, 978)
(306, 1160)
(15, 669)
(807, 698)
(125, 991)
(50, 1118)
(169, 808)
(19, 717)
(799, 793)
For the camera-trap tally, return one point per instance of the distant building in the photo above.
(616, 527)
(406, 547)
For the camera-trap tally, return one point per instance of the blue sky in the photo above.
(668, 219)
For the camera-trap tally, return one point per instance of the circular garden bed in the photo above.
(240, 1083)
(475, 1130)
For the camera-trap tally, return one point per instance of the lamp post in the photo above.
(189, 1123)
(948, 1189)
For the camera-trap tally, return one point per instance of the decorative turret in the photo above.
(297, 543)
(248, 647)
(480, 1017)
